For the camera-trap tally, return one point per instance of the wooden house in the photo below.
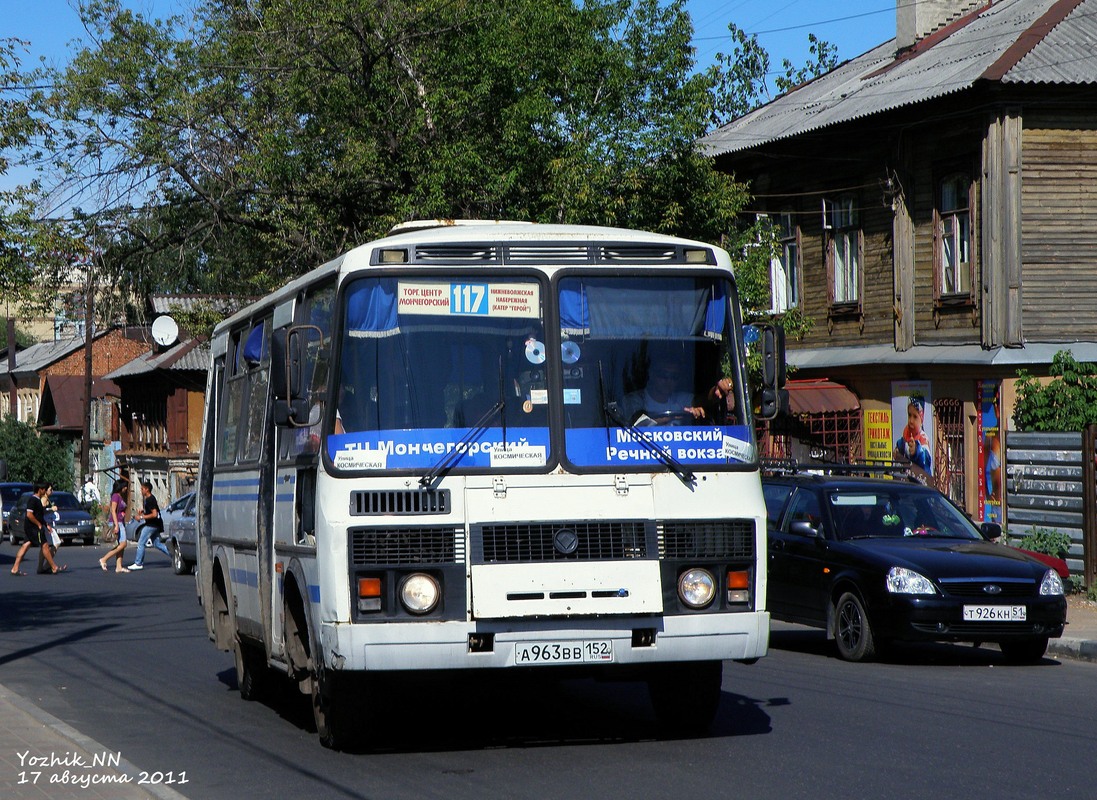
(935, 201)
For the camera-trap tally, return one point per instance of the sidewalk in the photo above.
(1080, 637)
(43, 758)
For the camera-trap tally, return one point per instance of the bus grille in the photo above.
(731, 538)
(388, 546)
(399, 501)
(560, 541)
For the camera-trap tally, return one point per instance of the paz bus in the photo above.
(449, 449)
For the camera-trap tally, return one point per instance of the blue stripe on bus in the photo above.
(239, 482)
(245, 577)
(314, 592)
(283, 498)
(233, 496)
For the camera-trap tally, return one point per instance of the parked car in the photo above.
(70, 520)
(10, 492)
(172, 510)
(875, 561)
(182, 535)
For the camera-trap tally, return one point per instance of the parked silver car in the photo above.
(181, 533)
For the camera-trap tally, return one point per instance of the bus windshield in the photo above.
(431, 364)
(650, 360)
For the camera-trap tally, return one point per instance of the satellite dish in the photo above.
(165, 331)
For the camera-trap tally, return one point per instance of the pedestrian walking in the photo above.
(116, 517)
(90, 493)
(151, 524)
(35, 530)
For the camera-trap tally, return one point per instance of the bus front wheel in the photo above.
(332, 710)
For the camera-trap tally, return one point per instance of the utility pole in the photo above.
(89, 335)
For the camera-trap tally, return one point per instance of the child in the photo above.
(914, 444)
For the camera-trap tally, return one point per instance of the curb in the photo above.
(1081, 649)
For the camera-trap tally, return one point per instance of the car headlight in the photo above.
(696, 588)
(419, 593)
(1052, 584)
(906, 581)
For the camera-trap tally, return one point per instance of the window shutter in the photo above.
(938, 264)
(829, 239)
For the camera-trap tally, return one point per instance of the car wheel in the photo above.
(685, 696)
(1024, 651)
(852, 631)
(178, 564)
(89, 540)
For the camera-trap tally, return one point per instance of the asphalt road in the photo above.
(124, 659)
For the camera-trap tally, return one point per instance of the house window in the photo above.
(843, 250)
(954, 235)
(785, 267)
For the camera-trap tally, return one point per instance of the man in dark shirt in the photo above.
(34, 528)
(149, 527)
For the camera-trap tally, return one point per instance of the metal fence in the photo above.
(1050, 484)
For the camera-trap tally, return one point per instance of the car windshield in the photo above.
(64, 500)
(12, 493)
(896, 513)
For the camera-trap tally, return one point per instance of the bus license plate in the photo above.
(994, 613)
(572, 652)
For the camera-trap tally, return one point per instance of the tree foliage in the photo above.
(32, 457)
(270, 136)
(1068, 402)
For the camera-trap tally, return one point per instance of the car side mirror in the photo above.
(804, 528)
(991, 531)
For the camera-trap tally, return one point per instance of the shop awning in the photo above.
(818, 395)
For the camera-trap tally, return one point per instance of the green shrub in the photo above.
(1046, 541)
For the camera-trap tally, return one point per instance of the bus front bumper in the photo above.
(519, 643)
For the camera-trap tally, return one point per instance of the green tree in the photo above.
(33, 457)
(237, 149)
(1068, 402)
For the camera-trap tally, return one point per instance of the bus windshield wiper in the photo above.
(610, 412)
(435, 474)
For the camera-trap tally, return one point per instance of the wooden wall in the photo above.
(1059, 227)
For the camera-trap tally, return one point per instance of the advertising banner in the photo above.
(912, 423)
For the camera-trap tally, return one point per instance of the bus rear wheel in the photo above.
(685, 696)
(252, 673)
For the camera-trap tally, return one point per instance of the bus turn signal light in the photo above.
(739, 586)
(369, 594)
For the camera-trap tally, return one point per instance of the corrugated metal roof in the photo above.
(226, 304)
(1046, 49)
(191, 354)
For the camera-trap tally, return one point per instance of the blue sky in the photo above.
(855, 26)
(783, 25)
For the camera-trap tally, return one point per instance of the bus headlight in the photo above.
(696, 588)
(419, 593)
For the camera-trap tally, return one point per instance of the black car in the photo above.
(875, 561)
(10, 492)
(70, 520)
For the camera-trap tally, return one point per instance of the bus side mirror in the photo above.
(774, 397)
(287, 376)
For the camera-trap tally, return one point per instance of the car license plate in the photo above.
(66, 530)
(571, 652)
(994, 613)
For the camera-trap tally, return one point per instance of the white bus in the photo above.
(477, 445)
